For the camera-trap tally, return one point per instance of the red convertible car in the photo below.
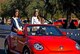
(40, 39)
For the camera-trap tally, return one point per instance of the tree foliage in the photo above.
(5, 7)
(65, 7)
(52, 7)
(9, 6)
(68, 7)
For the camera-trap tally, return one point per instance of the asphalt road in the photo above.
(3, 34)
(2, 45)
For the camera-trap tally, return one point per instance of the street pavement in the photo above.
(3, 34)
(2, 45)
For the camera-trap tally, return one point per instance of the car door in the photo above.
(20, 43)
(13, 40)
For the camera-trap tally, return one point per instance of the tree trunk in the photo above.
(68, 19)
(2, 20)
(51, 16)
(45, 16)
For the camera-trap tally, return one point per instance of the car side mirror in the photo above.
(64, 33)
(20, 33)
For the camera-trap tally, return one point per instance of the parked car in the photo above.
(57, 23)
(62, 22)
(40, 39)
(74, 24)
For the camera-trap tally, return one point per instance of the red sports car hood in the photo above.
(55, 43)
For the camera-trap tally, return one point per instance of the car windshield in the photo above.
(43, 31)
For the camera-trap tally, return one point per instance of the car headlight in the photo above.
(77, 46)
(38, 46)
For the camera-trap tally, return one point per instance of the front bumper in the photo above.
(47, 52)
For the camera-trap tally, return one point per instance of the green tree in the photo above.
(21, 5)
(50, 7)
(68, 7)
(65, 7)
(5, 7)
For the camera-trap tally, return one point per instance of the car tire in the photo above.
(6, 47)
(26, 51)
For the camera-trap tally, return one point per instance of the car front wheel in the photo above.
(26, 51)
